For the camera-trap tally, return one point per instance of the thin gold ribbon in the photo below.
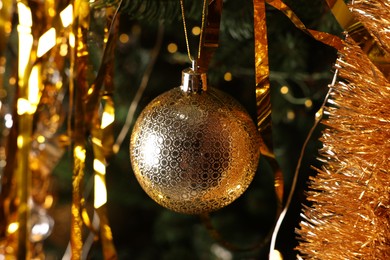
(22, 172)
(263, 100)
(102, 143)
(5, 30)
(263, 96)
(102, 129)
(262, 70)
(323, 37)
(6, 181)
(341, 12)
(262, 87)
(79, 66)
(210, 34)
(99, 125)
(104, 75)
(30, 28)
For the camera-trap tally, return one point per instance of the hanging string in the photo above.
(185, 30)
(203, 32)
(204, 14)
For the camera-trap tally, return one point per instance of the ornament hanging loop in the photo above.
(195, 65)
(209, 36)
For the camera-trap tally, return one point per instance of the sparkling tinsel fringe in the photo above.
(350, 213)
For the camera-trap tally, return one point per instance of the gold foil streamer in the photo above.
(102, 129)
(7, 174)
(209, 35)
(23, 178)
(79, 64)
(89, 120)
(29, 28)
(102, 143)
(104, 75)
(341, 12)
(262, 74)
(263, 100)
(5, 29)
(323, 37)
(76, 236)
(263, 95)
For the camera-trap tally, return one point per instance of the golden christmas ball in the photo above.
(194, 150)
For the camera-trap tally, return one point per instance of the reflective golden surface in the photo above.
(263, 96)
(194, 153)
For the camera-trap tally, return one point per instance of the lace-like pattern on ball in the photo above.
(194, 153)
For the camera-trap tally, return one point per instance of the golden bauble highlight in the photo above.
(194, 152)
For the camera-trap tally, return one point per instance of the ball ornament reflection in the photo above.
(194, 150)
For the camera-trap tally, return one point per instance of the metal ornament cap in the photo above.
(193, 81)
(194, 153)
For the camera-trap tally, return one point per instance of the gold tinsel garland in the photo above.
(350, 212)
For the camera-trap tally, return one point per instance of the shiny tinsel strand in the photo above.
(374, 15)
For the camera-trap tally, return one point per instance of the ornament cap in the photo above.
(193, 81)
